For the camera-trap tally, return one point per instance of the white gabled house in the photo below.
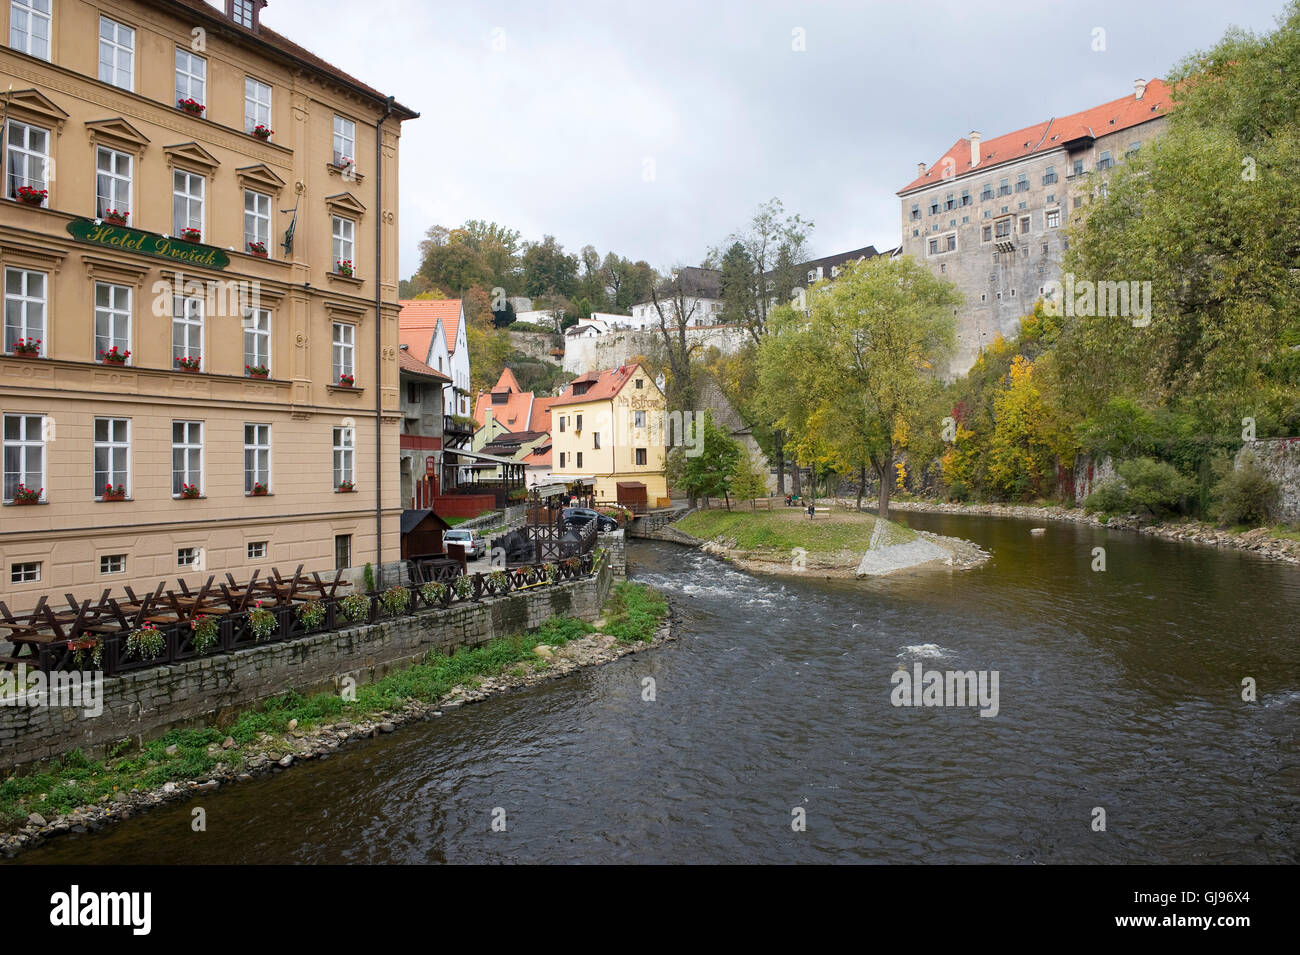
(434, 332)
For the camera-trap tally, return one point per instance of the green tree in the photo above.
(704, 463)
(748, 479)
(547, 270)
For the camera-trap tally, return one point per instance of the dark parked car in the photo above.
(583, 515)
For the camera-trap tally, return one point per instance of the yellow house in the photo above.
(198, 240)
(607, 429)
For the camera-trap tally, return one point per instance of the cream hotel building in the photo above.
(189, 186)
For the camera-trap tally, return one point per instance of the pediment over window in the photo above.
(345, 204)
(260, 177)
(35, 106)
(191, 155)
(117, 132)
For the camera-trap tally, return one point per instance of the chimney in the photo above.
(920, 170)
(974, 148)
(1139, 88)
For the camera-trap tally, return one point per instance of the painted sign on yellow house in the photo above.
(147, 243)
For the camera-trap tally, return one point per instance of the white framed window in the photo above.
(112, 181)
(25, 573)
(638, 419)
(345, 141)
(27, 157)
(345, 440)
(242, 13)
(29, 27)
(257, 456)
(187, 557)
(257, 550)
(25, 293)
(187, 201)
(257, 104)
(116, 53)
(187, 455)
(112, 318)
(112, 454)
(24, 453)
(187, 327)
(112, 564)
(257, 339)
(191, 76)
(1052, 218)
(345, 231)
(257, 219)
(344, 350)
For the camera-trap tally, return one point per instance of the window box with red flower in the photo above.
(257, 371)
(114, 357)
(347, 381)
(113, 492)
(28, 347)
(190, 363)
(32, 197)
(258, 249)
(346, 487)
(190, 492)
(343, 267)
(262, 132)
(259, 489)
(191, 235)
(115, 216)
(25, 495)
(191, 105)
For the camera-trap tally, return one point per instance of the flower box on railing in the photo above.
(32, 197)
(25, 495)
(114, 357)
(257, 371)
(113, 492)
(258, 249)
(262, 132)
(345, 487)
(191, 363)
(115, 217)
(192, 106)
(27, 348)
(191, 235)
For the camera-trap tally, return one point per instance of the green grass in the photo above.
(633, 612)
(782, 529)
(453, 521)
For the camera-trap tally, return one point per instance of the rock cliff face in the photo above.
(1280, 460)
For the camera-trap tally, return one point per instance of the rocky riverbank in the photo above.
(276, 753)
(1259, 541)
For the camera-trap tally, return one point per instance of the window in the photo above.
(344, 230)
(112, 564)
(116, 53)
(638, 419)
(1022, 183)
(640, 456)
(1044, 248)
(577, 422)
(345, 141)
(1004, 187)
(987, 192)
(1078, 201)
(1078, 167)
(25, 573)
(1051, 197)
(342, 551)
(29, 27)
(187, 455)
(562, 420)
(561, 460)
(24, 308)
(640, 382)
(1049, 177)
(344, 450)
(934, 246)
(257, 339)
(112, 453)
(579, 464)
(257, 104)
(943, 269)
(951, 243)
(344, 336)
(187, 557)
(257, 219)
(242, 13)
(1132, 150)
(27, 158)
(986, 234)
(965, 197)
(257, 456)
(1104, 161)
(112, 181)
(949, 203)
(112, 318)
(1052, 218)
(1002, 228)
(24, 453)
(916, 211)
(934, 206)
(187, 328)
(191, 76)
(187, 201)
(1024, 225)
(257, 550)
(595, 439)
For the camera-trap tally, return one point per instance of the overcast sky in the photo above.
(654, 129)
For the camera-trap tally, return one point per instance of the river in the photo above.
(1118, 689)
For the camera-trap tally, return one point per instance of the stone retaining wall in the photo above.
(145, 704)
(1279, 458)
(654, 526)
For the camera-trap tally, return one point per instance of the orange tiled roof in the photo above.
(606, 385)
(412, 365)
(514, 415)
(419, 319)
(507, 381)
(540, 456)
(541, 414)
(1043, 137)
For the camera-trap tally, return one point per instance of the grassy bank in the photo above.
(774, 534)
(633, 613)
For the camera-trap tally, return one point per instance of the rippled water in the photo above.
(1118, 689)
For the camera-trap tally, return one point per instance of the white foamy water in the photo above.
(928, 651)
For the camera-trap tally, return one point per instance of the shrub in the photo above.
(1146, 486)
(370, 578)
(1108, 497)
(1243, 495)
(147, 643)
